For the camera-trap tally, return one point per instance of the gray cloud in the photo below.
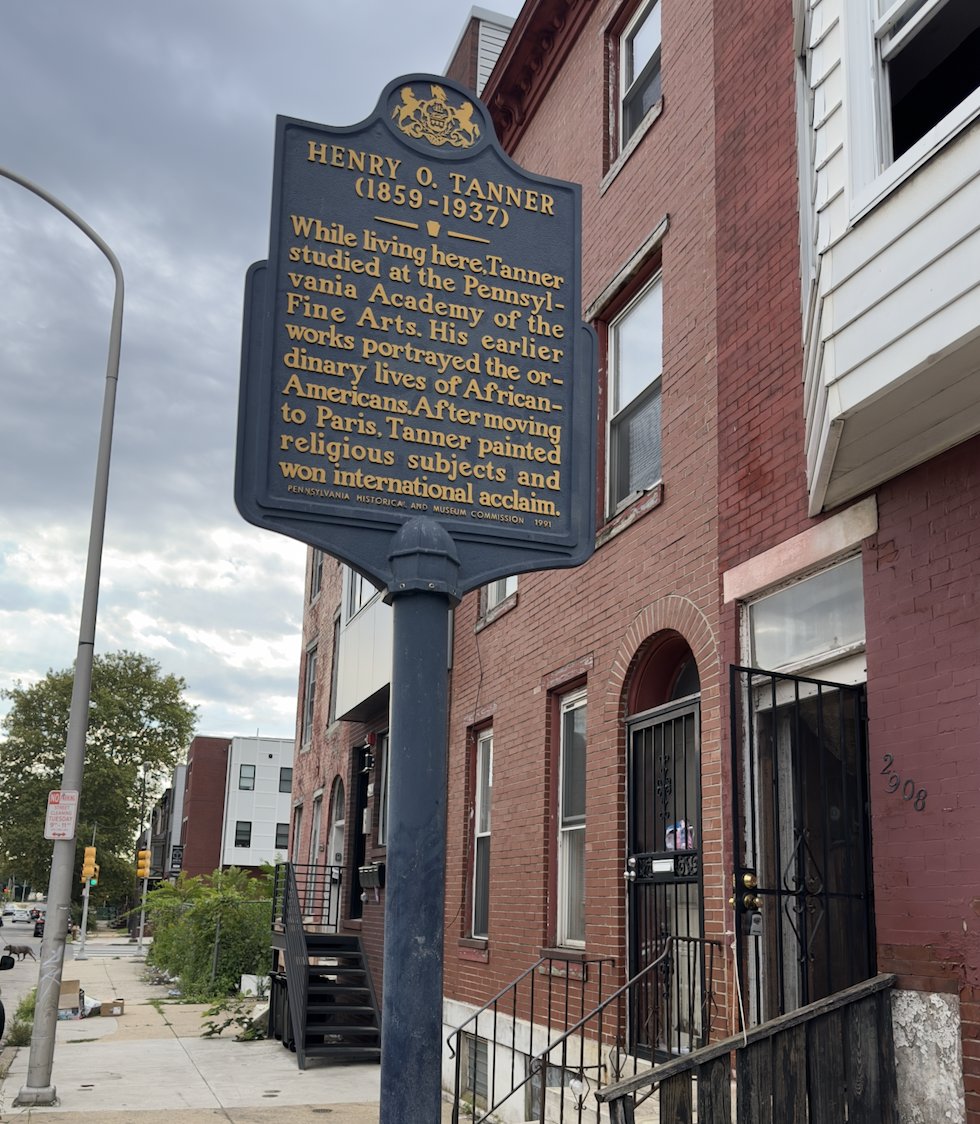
(155, 123)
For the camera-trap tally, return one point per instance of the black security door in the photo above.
(663, 877)
(802, 883)
(358, 851)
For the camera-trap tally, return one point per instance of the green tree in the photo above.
(228, 913)
(137, 715)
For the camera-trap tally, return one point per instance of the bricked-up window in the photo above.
(243, 833)
(282, 836)
(384, 765)
(481, 834)
(246, 778)
(285, 780)
(499, 591)
(571, 819)
(639, 68)
(635, 367)
(309, 696)
(928, 51)
(316, 581)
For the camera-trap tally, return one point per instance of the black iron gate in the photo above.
(663, 878)
(802, 881)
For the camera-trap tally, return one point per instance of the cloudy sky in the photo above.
(154, 122)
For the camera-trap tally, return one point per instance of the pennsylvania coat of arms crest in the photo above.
(436, 120)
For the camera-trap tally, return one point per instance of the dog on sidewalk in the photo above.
(20, 951)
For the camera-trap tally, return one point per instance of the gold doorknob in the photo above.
(751, 901)
(749, 881)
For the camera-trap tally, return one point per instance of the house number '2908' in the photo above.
(908, 789)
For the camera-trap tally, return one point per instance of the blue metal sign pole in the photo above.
(424, 567)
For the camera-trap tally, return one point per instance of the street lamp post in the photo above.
(39, 1090)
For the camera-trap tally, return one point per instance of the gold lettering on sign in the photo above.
(436, 120)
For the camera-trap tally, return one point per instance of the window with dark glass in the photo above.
(285, 780)
(309, 696)
(928, 50)
(282, 836)
(246, 778)
(243, 833)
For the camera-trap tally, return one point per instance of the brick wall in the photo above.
(922, 605)
(204, 804)
(659, 573)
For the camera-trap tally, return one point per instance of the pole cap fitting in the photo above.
(423, 560)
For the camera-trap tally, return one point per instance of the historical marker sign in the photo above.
(413, 347)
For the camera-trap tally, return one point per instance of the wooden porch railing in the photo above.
(829, 1061)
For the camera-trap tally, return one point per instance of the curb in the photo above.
(7, 1055)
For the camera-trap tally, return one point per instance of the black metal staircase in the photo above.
(323, 1003)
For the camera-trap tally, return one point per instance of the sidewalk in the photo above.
(150, 1065)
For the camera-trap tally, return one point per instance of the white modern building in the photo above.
(257, 806)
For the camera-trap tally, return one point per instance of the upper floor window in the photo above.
(359, 592)
(635, 367)
(309, 696)
(639, 68)
(316, 580)
(243, 833)
(928, 50)
(282, 837)
(246, 778)
(285, 780)
(499, 591)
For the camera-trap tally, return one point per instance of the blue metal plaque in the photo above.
(413, 348)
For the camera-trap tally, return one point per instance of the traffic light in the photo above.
(94, 880)
(88, 864)
(143, 864)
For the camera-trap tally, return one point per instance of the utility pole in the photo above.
(146, 865)
(39, 1090)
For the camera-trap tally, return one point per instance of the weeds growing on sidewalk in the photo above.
(239, 1011)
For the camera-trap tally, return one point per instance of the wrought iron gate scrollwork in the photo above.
(802, 885)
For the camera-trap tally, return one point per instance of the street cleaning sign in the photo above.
(412, 347)
(59, 820)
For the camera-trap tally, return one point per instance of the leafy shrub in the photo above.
(20, 1033)
(228, 913)
(25, 1008)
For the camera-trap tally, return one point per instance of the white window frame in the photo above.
(359, 593)
(498, 591)
(628, 85)
(572, 701)
(316, 576)
(309, 695)
(617, 417)
(482, 803)
(384, 785)
(851, 669)
(872, 173)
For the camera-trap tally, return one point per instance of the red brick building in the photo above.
(769, 666)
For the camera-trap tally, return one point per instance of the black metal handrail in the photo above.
(297, 963)
(624, 1041)
(318, 892)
